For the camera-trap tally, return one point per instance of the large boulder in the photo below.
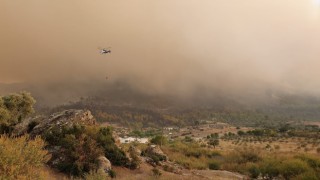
(155, 150)
(67, 118)
(104, 164)
(154, 155)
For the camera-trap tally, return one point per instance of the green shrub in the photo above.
(310, 175)
(254, 171)
(82, 145)
(159, 140)
(156, 172)
(78, 148)
(95, 175)
(270, 168)
(214, 154)
(214, 165)
(112, 174)
(244, 155)
(112, 152)
(193, 153)
(313, 162)
(15, 107)
(292, 168)
(135, 162)
(188, 139)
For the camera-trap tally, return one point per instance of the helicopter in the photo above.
(105, 50)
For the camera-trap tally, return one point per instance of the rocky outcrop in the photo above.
(67, 118)
(155, 150)
(27, 125)
(154, 155)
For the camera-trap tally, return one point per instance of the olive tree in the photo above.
(15, 107)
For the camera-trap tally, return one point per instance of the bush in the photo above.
(292, 168)
(22, 158)
(156, 172)
(112, 152)
(214, 166)
(254, 171)
(313, 162)
(95, 142)
(270, 168)
(81, 154)
(95, 175)
(78, 147)
(15, 107)
(135, 162)
(214, 154)
(245, 155)
(168, 168)
(159, 140)
(112, 174)
(307, 176)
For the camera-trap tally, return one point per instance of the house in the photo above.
(133, 139)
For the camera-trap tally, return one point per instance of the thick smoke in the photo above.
(225, 47)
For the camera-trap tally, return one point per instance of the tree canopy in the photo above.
(15, 107)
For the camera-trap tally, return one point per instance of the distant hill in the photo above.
(118, 102)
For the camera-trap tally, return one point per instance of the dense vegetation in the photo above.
(22, 158)
(137, 111)
(13, 109)
(81, 146)
(250, 161)
(74, 150)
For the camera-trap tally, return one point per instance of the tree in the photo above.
(15, 107)
(214, 142)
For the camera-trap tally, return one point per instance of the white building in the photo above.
(132, 139)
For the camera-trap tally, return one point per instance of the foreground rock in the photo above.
(67, 118)
(27, 125)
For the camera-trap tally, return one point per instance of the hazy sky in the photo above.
(162, 45)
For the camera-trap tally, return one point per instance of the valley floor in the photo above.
(145, 172)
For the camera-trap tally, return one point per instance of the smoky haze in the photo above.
(225, 47)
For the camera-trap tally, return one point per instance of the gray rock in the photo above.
(104, 164)
(67, 118)
(155, 151)
(23, 127)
